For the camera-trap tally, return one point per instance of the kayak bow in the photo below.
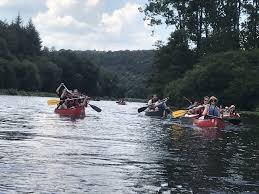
(209, 123)
(74, 112)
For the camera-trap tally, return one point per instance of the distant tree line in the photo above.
(24, 65)
(132, 69)
(213, 50)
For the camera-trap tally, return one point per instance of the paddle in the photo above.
(56, 101)
(53, 101)
(142, 109)
(187, 99)
(179, 113)
(97, 109)
(234, 121)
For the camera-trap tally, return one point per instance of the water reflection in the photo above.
(15, 135)
(210, 160)
(120, 151)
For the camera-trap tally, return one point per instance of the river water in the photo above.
(121, 151)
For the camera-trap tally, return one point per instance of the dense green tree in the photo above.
(209, 27)
(24, 65)
(7, 74)
(4, 51)
(250, 27)
(130, 68)
(50, 74)
(33, 42)
(232, 76)
(28, 75)
(212, 26)
(172, 60)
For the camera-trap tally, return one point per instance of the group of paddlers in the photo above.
(70, 98)
(207, 108)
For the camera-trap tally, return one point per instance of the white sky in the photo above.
(87, 24)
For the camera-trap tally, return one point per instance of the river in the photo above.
(121, 151)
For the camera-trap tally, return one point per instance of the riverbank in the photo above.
(15, 92)
(250, 113)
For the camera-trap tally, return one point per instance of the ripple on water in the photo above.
(120, 151)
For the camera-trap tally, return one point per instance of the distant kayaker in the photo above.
(212, 109)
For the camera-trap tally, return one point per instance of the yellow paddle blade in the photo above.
(179, 113)
(53, 101)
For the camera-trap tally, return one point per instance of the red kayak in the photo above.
(209, 123)
(72, 112)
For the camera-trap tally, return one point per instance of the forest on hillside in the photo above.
(25, 65)
(132, 68)
(213, 50)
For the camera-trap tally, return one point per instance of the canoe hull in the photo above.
(209, 123)
(234, 119)
(155, 113)
(71, 112)
(189, 118)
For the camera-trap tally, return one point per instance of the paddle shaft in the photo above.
(188, 100)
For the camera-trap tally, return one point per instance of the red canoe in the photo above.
(209, 123)
(74, 112)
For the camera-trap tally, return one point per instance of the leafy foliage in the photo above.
(24, 65)
(130, 68)
(210, 50)
(232, 76)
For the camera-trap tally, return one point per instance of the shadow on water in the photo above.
(15, 121)
(15, 135)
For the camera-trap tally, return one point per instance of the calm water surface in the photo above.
(121, 151)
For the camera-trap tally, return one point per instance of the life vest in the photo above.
(213, 110)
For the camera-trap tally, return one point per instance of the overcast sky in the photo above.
(87, 24)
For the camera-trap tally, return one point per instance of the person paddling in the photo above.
(212, 109)
(200, 108)
(151, 102)
(161, 105)
(61, 91)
